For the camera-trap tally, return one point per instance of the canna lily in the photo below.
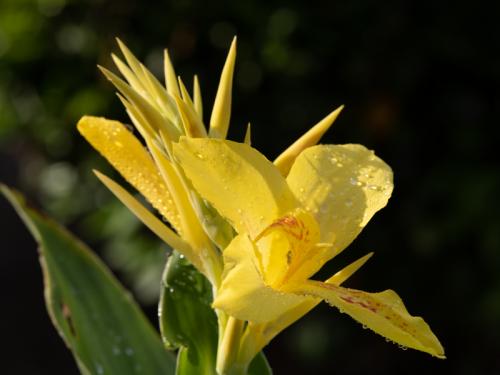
(257, 230)
(288, 227)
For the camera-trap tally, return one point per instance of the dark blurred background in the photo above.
(420, 84)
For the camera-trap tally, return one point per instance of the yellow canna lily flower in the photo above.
(290, 216)
(289, 227)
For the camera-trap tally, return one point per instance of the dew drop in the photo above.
(200, 156)
(129, 352)
(348, 203)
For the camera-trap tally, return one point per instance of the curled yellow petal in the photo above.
(285, 245)
(285, 160)
(382, 312)
(221, 112)
(243, 293)
(238, 181)
(128, 156)
(264, 332)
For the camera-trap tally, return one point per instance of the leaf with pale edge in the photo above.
(97, 318)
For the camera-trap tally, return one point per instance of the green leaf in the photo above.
(187, 320)
(94, 314)
(260, 366)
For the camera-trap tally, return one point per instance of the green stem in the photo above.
(227, 353)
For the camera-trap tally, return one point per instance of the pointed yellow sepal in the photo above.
(285, 160)
(170, 76)
(198, 103)
(221, 112)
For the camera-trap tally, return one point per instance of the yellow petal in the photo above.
(285, 245)
(285, 161)
(156, 226)
(243, 293)
(221, 112)
(348, 271)
(198, 103)
(128, 156)
(187, 107)
(382, 312)
(170, 76)
(267, 331)
(189, 222)
(129, 75)
(155, 119)
(248, 135)
(132, 61)
(343, 186)
(158, 96)
(238, 181)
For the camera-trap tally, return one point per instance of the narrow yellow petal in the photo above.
(198, 103)
(248, 135)
(147, 132)
(198, 128)
(159, 96)
(243, 293)
(343, 186)
(150, 114)
(128, 74)
(128, 156)
(184, 93)
(143, 214)
(221, 112)
(132, 61)
(190, 121)
(170, 76)
(238, 181)
(348, 271)
(189, 222)
(285, 161)
(382, 312)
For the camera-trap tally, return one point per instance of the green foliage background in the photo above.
(420, 84)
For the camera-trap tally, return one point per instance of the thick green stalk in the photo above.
(229, 345)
